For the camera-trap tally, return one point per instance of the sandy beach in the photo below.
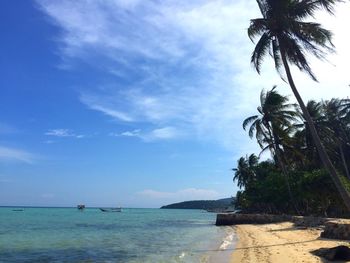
(278, 243)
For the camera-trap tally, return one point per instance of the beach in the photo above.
(280, 242)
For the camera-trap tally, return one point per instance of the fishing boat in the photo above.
(117, 209)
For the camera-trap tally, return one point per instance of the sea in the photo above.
(132, 236)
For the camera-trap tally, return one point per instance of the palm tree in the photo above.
(304, 136)
(287, 37)
(245, 171)
(335, 114)
(274, 119)
(272, 127)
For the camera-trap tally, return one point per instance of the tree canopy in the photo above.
(263, 183)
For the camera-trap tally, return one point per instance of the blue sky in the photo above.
(133, 103)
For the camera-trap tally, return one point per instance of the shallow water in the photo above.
(134, 235)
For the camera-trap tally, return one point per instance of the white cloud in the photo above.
(184, 62)
(12, 154)
(134, 133)
(164, 133)
(101, 105)
(63, 133)
(180, 195)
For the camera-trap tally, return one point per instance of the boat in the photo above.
(80, 207)
(117, 209)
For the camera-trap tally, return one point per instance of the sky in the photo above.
(136, 103)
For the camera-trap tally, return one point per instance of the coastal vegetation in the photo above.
(306, 151)
(219, 205)
(294, 181)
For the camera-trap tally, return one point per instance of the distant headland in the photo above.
(220, 204)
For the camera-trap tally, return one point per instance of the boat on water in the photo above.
(117, 209)
(81, 207)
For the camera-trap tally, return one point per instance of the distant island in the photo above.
(211, 205)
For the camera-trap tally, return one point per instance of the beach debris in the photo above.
(333, 254)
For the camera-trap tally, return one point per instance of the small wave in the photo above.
(227, 242)
(183, 254)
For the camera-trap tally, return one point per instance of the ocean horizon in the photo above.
(60, 234)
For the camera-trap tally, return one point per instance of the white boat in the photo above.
(117, 209)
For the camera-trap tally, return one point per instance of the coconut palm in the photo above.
(335, 111)
(274, 121)
(245, 171)
(286, 36)
(303, 135)
(272, 126)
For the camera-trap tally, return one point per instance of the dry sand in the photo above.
(278, 243)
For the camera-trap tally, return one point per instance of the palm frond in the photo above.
(313, 37)
(283, 28)
(295, 54)
(328, 5)
(260, 51)
(276, 55)
(264, 149)
(249, 120)
(257, 28)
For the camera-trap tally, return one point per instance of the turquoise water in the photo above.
(134, 235)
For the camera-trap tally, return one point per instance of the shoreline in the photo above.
(278, 242)
(223, 250)
(220, 248)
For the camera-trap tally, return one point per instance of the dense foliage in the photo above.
(293, 181)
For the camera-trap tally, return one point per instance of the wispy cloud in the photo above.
(133, 133)
(63, 133)
(164, 133)
(183, 62)
(106, 106)
(180, 195)
(13, 154)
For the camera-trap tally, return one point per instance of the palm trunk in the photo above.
(320, 148)
(343, 134)
(344, 160)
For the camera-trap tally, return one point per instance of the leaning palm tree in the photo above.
(272, 126)
(287, 37)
